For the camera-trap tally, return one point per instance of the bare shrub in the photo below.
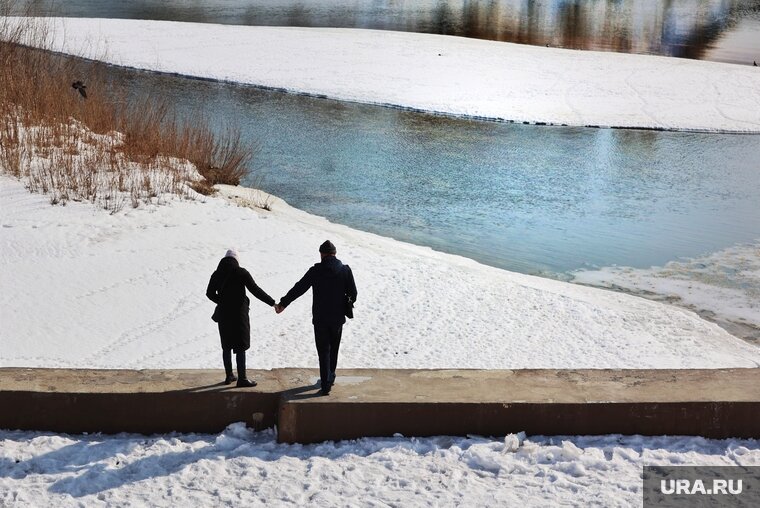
(109, 148)
(203, 187)
(220, 160)
(11, 149)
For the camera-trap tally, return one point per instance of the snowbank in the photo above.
(240, 467)
(84, 288)
(444, 74)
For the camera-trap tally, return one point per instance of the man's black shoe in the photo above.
(324, 392)
(230, 379)
(246, 383)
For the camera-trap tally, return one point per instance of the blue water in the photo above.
(533, 199)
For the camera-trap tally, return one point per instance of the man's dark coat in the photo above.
(331, 281)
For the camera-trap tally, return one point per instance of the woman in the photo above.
(227, 289)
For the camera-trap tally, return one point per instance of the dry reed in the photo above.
(110, 149)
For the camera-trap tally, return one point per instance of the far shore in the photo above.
(424, 72)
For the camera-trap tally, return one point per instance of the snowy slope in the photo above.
(83, 288)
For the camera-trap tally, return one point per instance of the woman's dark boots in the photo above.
(227, 360)
(242, 381)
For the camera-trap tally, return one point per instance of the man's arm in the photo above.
(300, 288)
(350, 284)
(256, 290)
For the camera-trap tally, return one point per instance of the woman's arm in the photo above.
(256, 290)
(211, 290)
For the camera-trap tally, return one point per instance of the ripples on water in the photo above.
(526, 198)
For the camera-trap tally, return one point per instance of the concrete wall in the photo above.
(712, 403)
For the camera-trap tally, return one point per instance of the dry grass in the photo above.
(109, 148)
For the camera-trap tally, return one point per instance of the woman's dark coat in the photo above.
(227, 289)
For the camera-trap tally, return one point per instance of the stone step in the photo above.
(711, 403)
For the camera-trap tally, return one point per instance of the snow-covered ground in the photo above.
(84, 288)
(438, 73)
(242, 468)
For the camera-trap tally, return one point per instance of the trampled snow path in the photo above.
(242, 468)
(83, 288)
(444, 74)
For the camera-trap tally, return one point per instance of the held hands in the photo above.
(278, 308)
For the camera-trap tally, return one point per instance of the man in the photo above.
(332, 283)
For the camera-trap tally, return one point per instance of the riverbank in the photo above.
(441, 74)
(126, 290)
(746, 329)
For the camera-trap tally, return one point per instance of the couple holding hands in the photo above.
(334, 292)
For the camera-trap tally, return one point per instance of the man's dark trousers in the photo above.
(327, 337)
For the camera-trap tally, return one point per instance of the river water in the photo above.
(534, 199)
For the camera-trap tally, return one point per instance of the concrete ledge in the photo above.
(711, 403)
(146, 401)
(306, 423)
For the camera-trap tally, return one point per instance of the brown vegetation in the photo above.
(108, 148)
